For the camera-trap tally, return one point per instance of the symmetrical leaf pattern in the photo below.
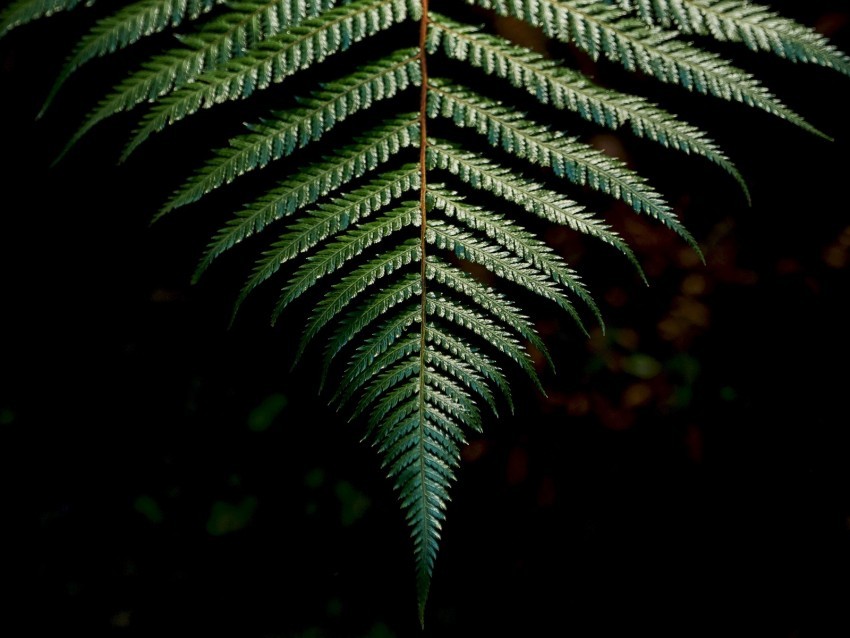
(405, 166)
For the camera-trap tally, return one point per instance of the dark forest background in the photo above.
(686, 476)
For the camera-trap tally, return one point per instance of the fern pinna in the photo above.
(426, 170)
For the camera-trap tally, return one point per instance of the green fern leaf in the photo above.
(273, 60)
(285, 132)
(551, 83)
(21, 12)
(491, 301)
(756, 26)
(603, 30)
(522, 244)
(314, 181)
(332, 258)
(127, 26)
(499, 262)
(219, 41)
(378, 225)
(353, 284)
(567, 157)
(475, 358)
(486, 175)
(480, 324)
(333, 217)
(379, 303)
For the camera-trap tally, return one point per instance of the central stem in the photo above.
(423, 172)
(424, 559)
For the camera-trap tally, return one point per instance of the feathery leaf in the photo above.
(314, 181)
(601, 29)
(756, 26)
(286, 131)
(273, 60)
(551, 83)
(219, 41)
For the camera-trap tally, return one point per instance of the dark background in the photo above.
(687, 474)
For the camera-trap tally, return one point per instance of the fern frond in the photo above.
(446, 308)
(426, 448)
(488, 299)
(128, 25)
(754, 25)
(462, 372)
(388, 403)
(287, 131)
(344, 292)
(416, 366)
(499, 262)
(314, 181)
(378, 341)
(382, 350)
(461, 411)
(437, 382)
(274, 59)
(474, 358)
(383, 384)
(226, 37)
(486, 175)
(337, 215)
(21, 12)
(522, 244)
(603, 30)
(336, 254)
(566, 156)
(550, 82)
(399, 348)
(375, 306)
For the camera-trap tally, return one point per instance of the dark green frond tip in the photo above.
(21, 12)
(272, 61)
(754, 25)
(129, 25)
(215, 43)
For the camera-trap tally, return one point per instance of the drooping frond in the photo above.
(335, 216)
(334, 256)
(386, 214)
(284, 132)
(522, 244)
(755, 25)
(550, 82)
(567, 157)
(314, 181)
(488, 299)
(603, 30)
(378, 304)
(273, 60)
(21, 12)
(486, 175)
(128, 25)
(226, 37)
(421, 451)
(347, 247)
